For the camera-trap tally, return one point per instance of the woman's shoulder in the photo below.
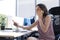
(48, 17)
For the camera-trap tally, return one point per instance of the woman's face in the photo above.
(38, 10)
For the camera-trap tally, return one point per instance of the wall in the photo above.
(49, 3)
(25, 8)
(8, 7)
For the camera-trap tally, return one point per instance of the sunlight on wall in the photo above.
(8, 7)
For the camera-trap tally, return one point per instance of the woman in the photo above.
(44, 24)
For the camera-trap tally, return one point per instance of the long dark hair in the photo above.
(43, 7)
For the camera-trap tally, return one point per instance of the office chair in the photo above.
(55, 11)
(29, 21)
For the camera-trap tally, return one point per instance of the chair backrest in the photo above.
(29, 21)
(55, 11)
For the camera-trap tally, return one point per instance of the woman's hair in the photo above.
(43, 7)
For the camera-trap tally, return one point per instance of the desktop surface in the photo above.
(10, 33)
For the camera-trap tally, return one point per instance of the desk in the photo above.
(12, 34)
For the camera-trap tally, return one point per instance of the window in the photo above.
(8, 7)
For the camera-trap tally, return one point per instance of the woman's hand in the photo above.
(15, 24)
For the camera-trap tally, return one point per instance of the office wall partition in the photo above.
(25, 8)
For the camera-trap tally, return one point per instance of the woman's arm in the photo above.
(28, 28)
(45, 26)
